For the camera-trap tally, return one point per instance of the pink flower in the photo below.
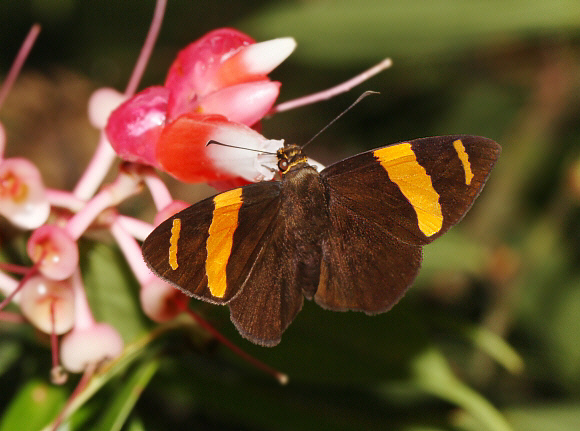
(217, 88)
(22, 195)
(43, 301)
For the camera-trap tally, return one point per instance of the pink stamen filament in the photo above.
(83, 382)
(124, 186)
(7, 316)
(104, 155)
(83, 316)
(19, 62)
(281, 377)
(53, 336)
(33, 270)
(333, 91)
(147, 48)
(132, 253)
(159, 192)
(12, 267)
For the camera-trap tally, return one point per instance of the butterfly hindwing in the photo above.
(271, 295)
(363, 267)
(414, 190)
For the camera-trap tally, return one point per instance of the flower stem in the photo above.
(132, 253)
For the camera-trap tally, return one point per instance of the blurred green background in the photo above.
(508, 275)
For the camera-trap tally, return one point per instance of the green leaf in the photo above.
(553, 417)
(35, 404)
(433, 374)
(10, 350)
(496, 347)
(115, 415)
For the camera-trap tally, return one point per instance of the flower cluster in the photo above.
(217, 89)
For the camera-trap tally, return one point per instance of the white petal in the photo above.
(261, 58)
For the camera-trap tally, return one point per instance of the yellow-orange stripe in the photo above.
(403, 169)
(221, 237)
(458, 145)
(175, 231)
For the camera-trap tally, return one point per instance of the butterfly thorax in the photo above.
(289, 157)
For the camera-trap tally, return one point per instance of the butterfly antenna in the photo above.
(239, 148)
(361, 97)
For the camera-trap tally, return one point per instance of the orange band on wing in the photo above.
(458, 145)
(403, 169)
(221, 237)
(175, 231)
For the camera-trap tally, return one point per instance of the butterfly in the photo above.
(349, 237)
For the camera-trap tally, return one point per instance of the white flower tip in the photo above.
(386, 63)
(282, 378)
(101, 103)
(263, 57)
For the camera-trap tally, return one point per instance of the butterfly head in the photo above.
(290, 156)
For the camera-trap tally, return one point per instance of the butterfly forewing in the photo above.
(414, 190)
(207, 250)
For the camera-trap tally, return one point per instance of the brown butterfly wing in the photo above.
(385, 204)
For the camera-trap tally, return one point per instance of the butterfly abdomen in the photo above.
(304, 208)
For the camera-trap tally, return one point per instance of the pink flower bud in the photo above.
(22, 196)
(102, 102)
(40, 296)
(55, 249)
(161, 301)
(90, 345)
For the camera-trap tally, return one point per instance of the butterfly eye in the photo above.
(283, 164)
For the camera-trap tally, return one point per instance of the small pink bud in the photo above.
(91, 345)
(22, 196)
(134, 127)
(102, 102)
(160, 301)
(39, 296)
(55, 249)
